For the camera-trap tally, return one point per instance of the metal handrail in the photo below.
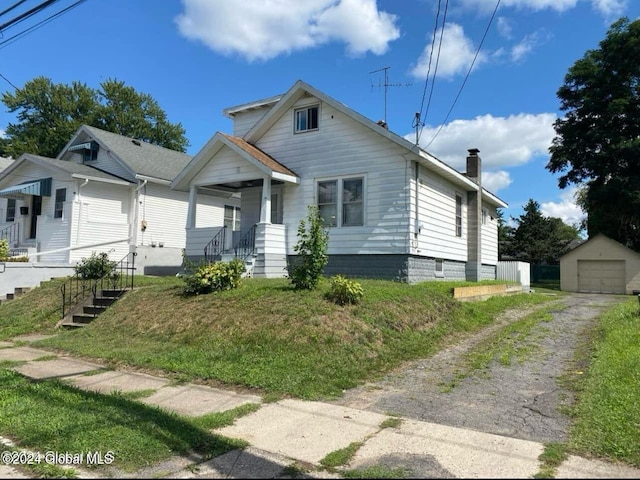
(213, 250)
(11, 233)
(77, 289)
(247, 245)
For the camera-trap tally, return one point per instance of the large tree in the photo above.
(597, 143)
(48, 114)
(536, 238)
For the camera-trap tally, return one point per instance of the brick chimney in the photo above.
(474, 218)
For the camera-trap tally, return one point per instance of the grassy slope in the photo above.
(265, 335)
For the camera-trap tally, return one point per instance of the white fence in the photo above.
(515, 272)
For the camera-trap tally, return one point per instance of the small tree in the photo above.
(306, 270)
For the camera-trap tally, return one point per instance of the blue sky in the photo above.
(197, 57)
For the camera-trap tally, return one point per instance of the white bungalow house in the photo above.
(103, 193)
(392, 210)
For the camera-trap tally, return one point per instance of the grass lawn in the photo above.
(266, 336)
(607, 415)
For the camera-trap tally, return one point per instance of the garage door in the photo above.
(601, 276)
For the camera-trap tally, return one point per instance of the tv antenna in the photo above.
(386, 86)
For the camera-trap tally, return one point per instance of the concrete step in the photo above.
(103, 301)
(112, 293)
(83, 318)
(93, 309)
(70, 324)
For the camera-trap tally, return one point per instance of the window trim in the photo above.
(306, 109)
(340, 204)
(458, 215)
(58, 205)
(11, 218)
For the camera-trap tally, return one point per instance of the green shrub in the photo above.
(214, 277)
(96, 266)
(4, 248)
(343, 291)
(307, 268)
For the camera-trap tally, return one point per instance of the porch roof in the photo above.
(259, 155)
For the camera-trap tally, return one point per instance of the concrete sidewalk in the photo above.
(289, 438)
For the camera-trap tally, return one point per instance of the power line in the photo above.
(27, 14)
(15, 5)
(8, 81)
(435, 71)
(426, 82)
(33, 28)
(467, 76)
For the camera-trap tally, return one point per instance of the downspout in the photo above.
(134, 224)
(79, 220)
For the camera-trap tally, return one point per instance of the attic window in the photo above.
(306, 119)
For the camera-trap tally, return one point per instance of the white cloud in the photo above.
(502, 141)
(607, 8)
(259, 30)
(527, 45)
(495, 181)
(505, 28)
(566, 209)
(610, 8)
(456, 54)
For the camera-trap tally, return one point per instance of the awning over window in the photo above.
(40, 187)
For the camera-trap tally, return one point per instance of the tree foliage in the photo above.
(597, 143)
(48, 115)
(311, 250)
(536, 238)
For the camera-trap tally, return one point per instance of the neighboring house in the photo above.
(393, 210)
(104, 193)
(600, 265)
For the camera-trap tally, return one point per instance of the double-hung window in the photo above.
(232, 217)
(306, 119)
(61, 197)
(11, 210)
(341, 202)
(458, 215)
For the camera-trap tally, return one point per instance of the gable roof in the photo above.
(73, 169)
(140, 158)
(600, 236)
(300, 89)
(251, 153)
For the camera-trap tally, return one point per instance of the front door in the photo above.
(36, 209)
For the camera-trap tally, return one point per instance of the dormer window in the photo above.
(306, 119)
(88, 150)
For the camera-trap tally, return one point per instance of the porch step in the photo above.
(91, 311)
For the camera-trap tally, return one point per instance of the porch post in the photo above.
(193, 202)
(265, 205)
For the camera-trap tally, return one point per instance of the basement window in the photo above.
(439, 271)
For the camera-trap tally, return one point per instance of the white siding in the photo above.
(104, 212)
(244, 121)
(197, 239)
(165, 211)
(437, 217)
(55, 233)
(490, 237)
(342, 147)
(227, 166)
(104, 162)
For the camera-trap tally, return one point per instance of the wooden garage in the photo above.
(600, 265)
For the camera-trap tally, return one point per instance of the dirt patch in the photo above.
(521, 400)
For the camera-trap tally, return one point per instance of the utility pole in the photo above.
(386, 86)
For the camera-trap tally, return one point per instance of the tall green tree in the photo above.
(597, 143)
(539, 239)
(48, 114)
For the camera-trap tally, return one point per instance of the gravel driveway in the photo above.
(520, 400)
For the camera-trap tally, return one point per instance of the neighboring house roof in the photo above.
(600, 236)
(75, 170)
(5, 163)
(141, 158)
